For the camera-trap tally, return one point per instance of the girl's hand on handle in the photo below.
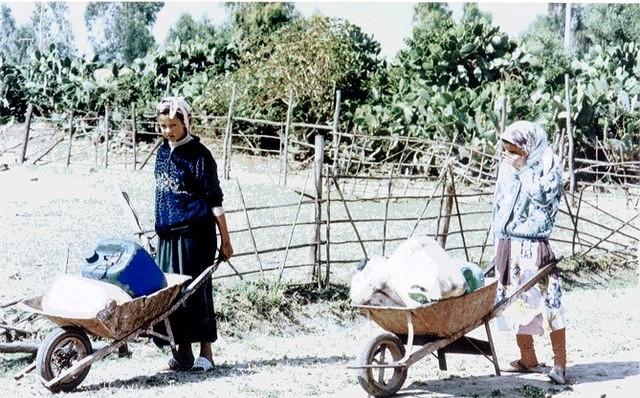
(226, 250)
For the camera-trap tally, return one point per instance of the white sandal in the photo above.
(558, 375)
(202, 364)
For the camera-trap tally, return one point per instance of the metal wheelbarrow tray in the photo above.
(65, 356)
(440, 327)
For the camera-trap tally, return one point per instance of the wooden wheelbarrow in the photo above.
(437, 328)
(65, 356)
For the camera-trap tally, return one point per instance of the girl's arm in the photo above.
(226, 250)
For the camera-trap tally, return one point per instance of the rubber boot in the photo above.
(527, 350)
(559, 345)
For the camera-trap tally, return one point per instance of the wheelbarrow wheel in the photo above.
(382, 382)
(60, 350)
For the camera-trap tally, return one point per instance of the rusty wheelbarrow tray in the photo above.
(65, 356)
(414, 333)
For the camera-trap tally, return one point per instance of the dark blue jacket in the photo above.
(187, 185)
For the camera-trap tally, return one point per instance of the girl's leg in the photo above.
(205, 350)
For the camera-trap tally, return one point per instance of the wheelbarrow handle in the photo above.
(196, 283)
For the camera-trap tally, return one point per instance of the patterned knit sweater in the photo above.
(187, 185)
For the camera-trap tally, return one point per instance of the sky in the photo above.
(388, 22)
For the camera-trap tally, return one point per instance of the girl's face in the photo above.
(514, 149)
(171, 128)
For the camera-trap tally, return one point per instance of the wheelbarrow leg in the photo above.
(493, 349)
(442, 360)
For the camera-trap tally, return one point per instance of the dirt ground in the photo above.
(603, 351)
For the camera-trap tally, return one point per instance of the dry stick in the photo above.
(15, 329)
(442, 196)
(287, 132)
(455, 198)
(346, 208)
(106, 136)
(575, 231)
(253, 238)
(293, 227)
(45, 153)
(226, 155)
(318, 162)
(589, 221)
(611, 215)
(23, 152)
(153, 150)
(24, 371)
(70, 137)
(611, 233)
(134, 135)
(328, 226)
(386, 212)
(16, 347)
(336, 120)
(9, 304)
(573, 220)
(426, 205)
(447, 217)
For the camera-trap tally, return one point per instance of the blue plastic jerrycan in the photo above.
(126, 264)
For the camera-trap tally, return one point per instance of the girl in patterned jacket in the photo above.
(526, 202)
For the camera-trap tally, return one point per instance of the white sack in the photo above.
(73, 296)
(369, 286)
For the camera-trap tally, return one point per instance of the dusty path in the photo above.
(602, 347)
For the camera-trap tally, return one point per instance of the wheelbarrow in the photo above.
(433, 329)
(65, 356)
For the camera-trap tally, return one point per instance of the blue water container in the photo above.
(126, 264)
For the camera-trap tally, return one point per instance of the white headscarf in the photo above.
(532, 138)
(176, 105)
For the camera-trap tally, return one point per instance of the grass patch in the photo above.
(259, 305)
(598, 271)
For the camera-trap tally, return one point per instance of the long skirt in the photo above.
(189, 252)
(539, 309)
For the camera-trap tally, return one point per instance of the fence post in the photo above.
(337, 135)
(386, 212)
(134, 121)
(23, 153)
(70, 136)
(327, 231)
(442, 235)
(567, 98)
(226, 154)
(106, 136)
(287, 131)
(319, 160)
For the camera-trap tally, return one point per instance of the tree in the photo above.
(471, 13)
(121, 31)
(8, 32)
(612, 24)
(252, 23)
(187, 29)
(49, 25)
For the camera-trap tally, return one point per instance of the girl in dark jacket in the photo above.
(188, 207)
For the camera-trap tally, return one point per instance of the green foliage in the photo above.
(50, 25)
(9, 34)
(444, 83)
(12, 92)
(612, 24)
(121, 31)
(187, 29)
(313, 57)
(448, 82)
